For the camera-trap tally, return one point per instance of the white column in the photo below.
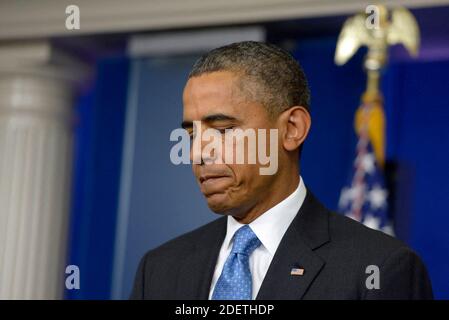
(35, 169)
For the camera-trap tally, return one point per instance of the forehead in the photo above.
(215, 92)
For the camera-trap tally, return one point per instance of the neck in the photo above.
(280, 190)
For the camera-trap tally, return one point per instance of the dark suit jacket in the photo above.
(333, 250)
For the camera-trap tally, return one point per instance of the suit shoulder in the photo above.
(354, 247)
(351, 234)
(185, 243)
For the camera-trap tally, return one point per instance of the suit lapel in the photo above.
(307, 232)
(198, 269)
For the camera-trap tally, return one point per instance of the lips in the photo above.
(214, 183)
(206, 177)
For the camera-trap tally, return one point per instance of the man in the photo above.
(275, 240)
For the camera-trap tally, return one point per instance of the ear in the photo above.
(295, 122)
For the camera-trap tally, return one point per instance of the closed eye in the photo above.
(223, 130)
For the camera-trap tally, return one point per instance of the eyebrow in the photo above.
(210, 118)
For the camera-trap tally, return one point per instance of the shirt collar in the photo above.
(271, 226)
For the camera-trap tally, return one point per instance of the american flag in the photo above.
(364, 197)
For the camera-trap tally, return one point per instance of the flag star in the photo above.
(367, 161)
(350, 194)
(372, 222)
(388, 229)
(377, 197)
(345, 197)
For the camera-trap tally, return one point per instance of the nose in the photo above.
(203, 148)
(195, 150)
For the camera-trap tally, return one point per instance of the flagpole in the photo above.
(364, 198)
(377, 31)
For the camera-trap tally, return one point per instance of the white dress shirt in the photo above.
(270, 227)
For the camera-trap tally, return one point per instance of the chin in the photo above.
(219, 203)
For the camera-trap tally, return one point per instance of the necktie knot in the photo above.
(245, 241)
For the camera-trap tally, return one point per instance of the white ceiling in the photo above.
(46, 18)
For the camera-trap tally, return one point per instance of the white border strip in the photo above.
(46, 18)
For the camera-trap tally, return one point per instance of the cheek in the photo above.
(238, 150)
(245, 176)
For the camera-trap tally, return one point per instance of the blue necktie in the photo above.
(235, 282)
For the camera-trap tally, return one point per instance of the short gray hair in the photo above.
(276, 80)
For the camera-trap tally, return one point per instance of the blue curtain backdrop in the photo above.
(418, 113)
(99, 127)
(417, 108)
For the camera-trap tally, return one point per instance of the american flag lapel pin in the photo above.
(297, 271)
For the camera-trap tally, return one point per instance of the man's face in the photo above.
(216, 100)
